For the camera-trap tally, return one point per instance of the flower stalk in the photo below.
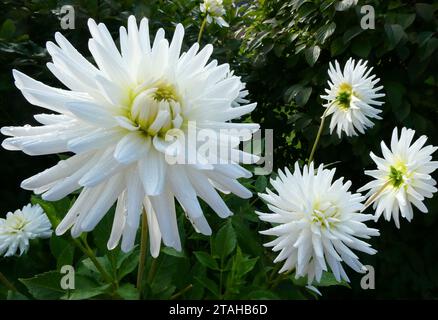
(180, 293)
(143, 252)
(152, 270)
(7, 283)
(318, 135)
(85, 248)
(201, 30)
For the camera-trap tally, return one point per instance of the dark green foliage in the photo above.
(282, 50)
(287, 75)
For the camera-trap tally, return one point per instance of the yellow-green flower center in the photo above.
(397, 174)
(165, 92)
(325, 215)
(343, 98)
(17, 225)
(156, 108)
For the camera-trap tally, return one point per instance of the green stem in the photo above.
(280, 277)
(201, 30)
(274, 272)
(85, 248)
(278, 280)
(221, 278)
(152, 270)
(318, 136)
(143, 252)
(253, 201)
(178, 294)
(7, 283)
(114, 268)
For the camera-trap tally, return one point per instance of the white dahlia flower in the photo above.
(126, 120)
(351, 95)
(214, 9)
(21, 226)
(402, 177)
(316, 222)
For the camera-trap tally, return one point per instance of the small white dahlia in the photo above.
(351, 95)
(214, 9)
(126, 121)
(402, 177)
(316, 222)
(21, 226)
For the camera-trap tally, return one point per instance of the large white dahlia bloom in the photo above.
(126, 120)
(351, 95)
(316, 222)
(402, 177)
(21, 226)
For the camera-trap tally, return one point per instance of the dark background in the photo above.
(270, 45)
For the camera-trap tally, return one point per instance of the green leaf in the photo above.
(66, 257)
(300, 282)
(425, 10)
(312, 54)
(394, 33)
(62, 250)
(300, 47)
(337, 47)
(248, 240)
(429, 49)
(102, 230)
(243, 264)
(206, 260)
(209, 284)
(262, 295)
(424, 37)
(45, 285)
(328, 279)
(55, 210)
(303, 96)
(403, 19)
(225, 241)
(306, 9)
(350, 34)
(395, 93)
(261, 183)
(172, 252)
(325, 32)
(7, 29)
(104, 262)
(292, 92)
(402, 112)
(361, 48)
(128, 291)
(49, 209)
(14, 295)
(130, 262)
(168, 269)
(344, 5)
(86, 293)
